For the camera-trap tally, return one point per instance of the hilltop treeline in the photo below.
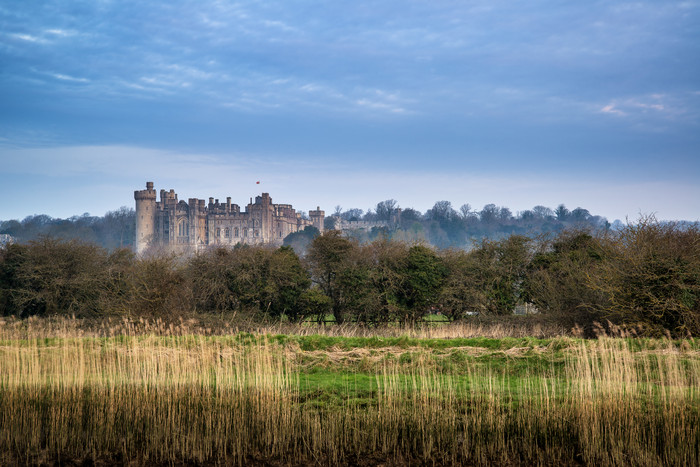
(116, 229)
(445, 227)
(645, 276)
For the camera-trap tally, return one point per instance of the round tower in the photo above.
(145, 217)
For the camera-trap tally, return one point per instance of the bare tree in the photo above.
(488, 214)
(441, 211)
(543, 212)
(386, 209)
(562, 213)
(353, 214)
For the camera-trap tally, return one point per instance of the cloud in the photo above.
(655, 107)
(164, 82)
(63, 77)
(382, 106)
(610, 109)
(61, 32)
(107, 160)
(46, 36)
(216, 53)
(196, 73)
(262, 93)
(28, 38)
(279, 25)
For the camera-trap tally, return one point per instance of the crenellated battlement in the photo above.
(144, 195)
(196, 224)
(147, 194)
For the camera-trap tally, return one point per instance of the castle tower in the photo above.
(145, 217)
(317, 218)
(266, 223)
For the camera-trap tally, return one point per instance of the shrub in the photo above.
(652, 277)
(558, 279)
(50, 276)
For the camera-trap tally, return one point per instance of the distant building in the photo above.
(345, 225)
(6, 239)
(352, 225)
(525, 309)
(195, 224)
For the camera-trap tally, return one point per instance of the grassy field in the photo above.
(164, 394)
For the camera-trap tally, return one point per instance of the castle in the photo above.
(194, 224)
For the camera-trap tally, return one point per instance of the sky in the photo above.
(518, 103)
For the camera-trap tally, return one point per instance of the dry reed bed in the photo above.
(194, 399)
(38, 328)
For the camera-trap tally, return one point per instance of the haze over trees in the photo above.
(116, 229)
(442, 226)
(446, 227)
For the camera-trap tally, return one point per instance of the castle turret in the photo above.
(145, 217)
(317, 218)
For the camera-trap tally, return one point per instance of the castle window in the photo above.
(245, 232)
(183, 229)
(227, 233)
(235, 232)
(257, 234)
(218, 233)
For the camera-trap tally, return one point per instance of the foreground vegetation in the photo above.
(644, 278)
(356, 353)
(153, 392)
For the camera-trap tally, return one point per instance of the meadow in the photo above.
(156, 393)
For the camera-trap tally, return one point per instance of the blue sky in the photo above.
(593, 104)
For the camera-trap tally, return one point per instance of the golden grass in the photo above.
(154, 398)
